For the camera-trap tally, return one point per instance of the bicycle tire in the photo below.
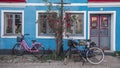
(40, 53)
(95, 55)
(17, 50)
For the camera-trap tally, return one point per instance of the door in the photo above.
(100, 30)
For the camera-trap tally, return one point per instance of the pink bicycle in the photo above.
(21, 47)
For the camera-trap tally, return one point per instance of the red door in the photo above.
(100, 30)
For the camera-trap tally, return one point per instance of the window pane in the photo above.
(18, 24)
(9, 23)
(75, 24)
(45, 26)
(12, 23)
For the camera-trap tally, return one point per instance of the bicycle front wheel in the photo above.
(18, 50)
(95, 55)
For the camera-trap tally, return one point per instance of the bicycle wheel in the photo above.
(67, 56)
(40, 53)
(18, 50)
(95, 55)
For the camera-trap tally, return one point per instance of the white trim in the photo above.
(12, 4)
(104, 4)
(44, 4)
(80, 37)
(2, 22)
(111, 4)
(113, 25)
(90, 4)
(37, 36)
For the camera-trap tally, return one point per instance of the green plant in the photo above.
(116, 53)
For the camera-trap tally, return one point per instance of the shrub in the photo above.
(117, 53)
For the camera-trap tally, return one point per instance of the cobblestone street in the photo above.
(18, 59)
(29, 61)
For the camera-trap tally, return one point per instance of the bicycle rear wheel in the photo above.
(18, 50)
(95, 55)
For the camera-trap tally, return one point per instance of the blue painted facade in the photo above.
(30, 22)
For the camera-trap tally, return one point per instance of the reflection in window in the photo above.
(104, 21)
(12, 23)
(44, 24)
(94, 22)
(75, 24)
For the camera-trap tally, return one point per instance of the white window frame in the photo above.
(84, 35)
(37, 14)
(3, 25)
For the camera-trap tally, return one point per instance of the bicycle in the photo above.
(37, 49)
(90, 53)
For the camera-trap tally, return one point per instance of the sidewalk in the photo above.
(109, 62)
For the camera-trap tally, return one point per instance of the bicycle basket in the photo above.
(82, 43)
(19, 38)
(71, 43)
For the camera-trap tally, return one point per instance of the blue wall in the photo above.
(30, 23)
(118, 29)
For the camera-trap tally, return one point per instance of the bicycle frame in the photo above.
(25, 46)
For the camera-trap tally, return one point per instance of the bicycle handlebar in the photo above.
(88, 40)
(22, 36)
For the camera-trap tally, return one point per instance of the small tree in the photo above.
(56, 24)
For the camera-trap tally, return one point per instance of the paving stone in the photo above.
(29, 61)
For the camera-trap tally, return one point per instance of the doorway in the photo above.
(100, 30)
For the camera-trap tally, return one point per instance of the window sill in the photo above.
(8, 36)
(73, 37)
(45, 37)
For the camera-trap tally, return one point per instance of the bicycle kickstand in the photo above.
(84, 60)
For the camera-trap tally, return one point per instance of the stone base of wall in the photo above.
(6, 52)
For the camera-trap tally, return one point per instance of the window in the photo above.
(44, 24)
(94, 21)
(12, 23)
(74, 24)
(104, 21)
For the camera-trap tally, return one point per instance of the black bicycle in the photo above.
(90, 53)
